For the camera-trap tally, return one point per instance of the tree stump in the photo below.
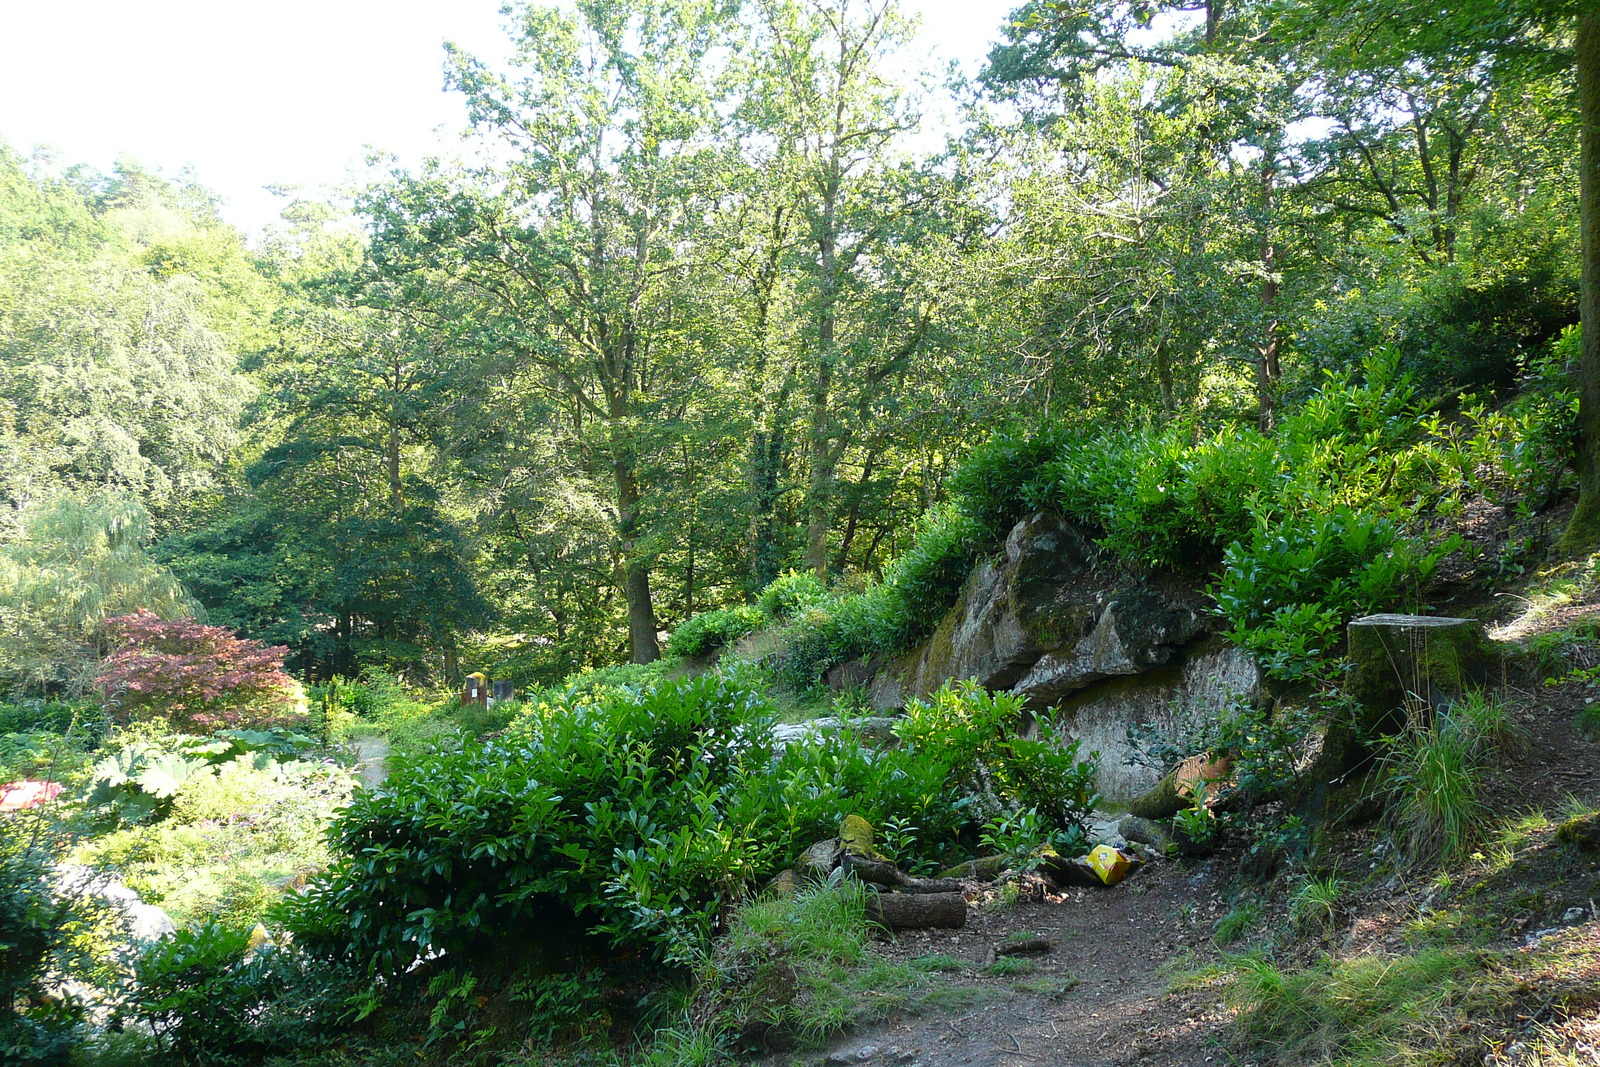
(1401, 665)
(1412, 661)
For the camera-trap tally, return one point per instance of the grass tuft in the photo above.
(1365, 1010)
(1234, 925)
(1317, 907)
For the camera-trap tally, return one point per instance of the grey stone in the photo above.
(820, 859)
(146, 922)
(1136, 632)
(1176, 700)
(875, 728)
(1010, 612)
(1045, 620)
(842, 1057)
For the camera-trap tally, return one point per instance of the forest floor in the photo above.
(1136, 974)
(1101, 996)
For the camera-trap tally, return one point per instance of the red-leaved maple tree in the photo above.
(194, 675)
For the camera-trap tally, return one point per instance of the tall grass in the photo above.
(1434, 775)
(1368, 1010)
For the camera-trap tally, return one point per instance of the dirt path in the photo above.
(1099, 998)
(372, 761)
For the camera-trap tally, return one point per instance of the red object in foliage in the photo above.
(194, 674)
(17, 796)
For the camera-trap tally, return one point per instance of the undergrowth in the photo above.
(1300, 531)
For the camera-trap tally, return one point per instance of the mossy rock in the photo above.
(855, 837)
(1582, 833)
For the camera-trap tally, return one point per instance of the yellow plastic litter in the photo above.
(1110, 864)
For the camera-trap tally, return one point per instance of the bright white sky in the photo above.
(284, 93)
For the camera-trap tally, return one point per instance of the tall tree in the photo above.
(122, 306)
(80, 559)
(834, 116)
(577, 249)
(1513, 37)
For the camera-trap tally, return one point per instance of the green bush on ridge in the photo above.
(1300, 530)
(711, 631)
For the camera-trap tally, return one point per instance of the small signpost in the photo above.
(485, 693)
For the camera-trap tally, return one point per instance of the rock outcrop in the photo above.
(1048, 620)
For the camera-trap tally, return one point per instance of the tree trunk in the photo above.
(392, 463)
(854, 517)
(1583, 531)
(768, 454)
(1267, 370)
(452, 663)
(635, 571)
(822, 452)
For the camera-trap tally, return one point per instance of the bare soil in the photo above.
(1111, 991)
(1099, 997)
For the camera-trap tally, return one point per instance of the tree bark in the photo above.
(884, 873)
(635, 575)
(1583, 531)
(1267, 369)
(918, 911)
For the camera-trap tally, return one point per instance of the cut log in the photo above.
(918, 911)
(1032, 946)
(1162, 801)
(1067, 871)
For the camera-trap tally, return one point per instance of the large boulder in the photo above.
(1174, 701)
(1050, 620)
(1138, 630)
(1011, 611)
(1043, 620)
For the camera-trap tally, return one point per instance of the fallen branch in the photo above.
(1031, 946)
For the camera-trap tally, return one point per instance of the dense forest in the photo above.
(714, 297)
(803, 433)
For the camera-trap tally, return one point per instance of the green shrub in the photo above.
(138, 782)
(977, 732)
(1289, 589)
(890, 617)
(792, 593)
(637, 814)
(209, 998)
(229, 839)
(55, 716)
(925, 579)
(997, 483)
(1161, 499)
(711, 631)
(1433, 787)
(36, 924)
